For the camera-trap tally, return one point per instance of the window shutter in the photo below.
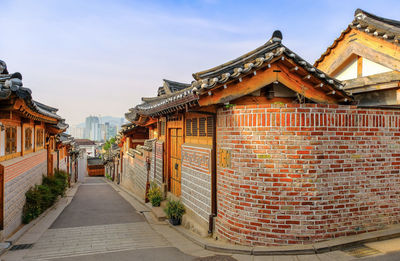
(202, 127)
(162, 126)
(210, 126)
(188, 127)
(194, 127)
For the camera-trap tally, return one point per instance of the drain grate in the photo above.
(361, 251)
(21, 247)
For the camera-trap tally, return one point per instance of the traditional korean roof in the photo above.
(94, 161)
(84, 142)
(65, 138)
(383, 28)
(175, 96)
(11, 85)
(127, 127)
(261, 57)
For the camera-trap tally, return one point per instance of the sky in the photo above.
(100, 57)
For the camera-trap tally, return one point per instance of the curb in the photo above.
(17, 235)
(316, 248)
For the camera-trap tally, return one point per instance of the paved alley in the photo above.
(103, 223)
(100, 225)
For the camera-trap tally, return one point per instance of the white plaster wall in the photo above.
(33, 138)
(19, 139)
(369, 68)
(2, 142)
(348, 72)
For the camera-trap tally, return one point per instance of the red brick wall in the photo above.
(306, 173)
(15, 167)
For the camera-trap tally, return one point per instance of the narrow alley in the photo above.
(99, 224)
(97, 220)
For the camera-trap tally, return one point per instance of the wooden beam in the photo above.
(294, 82)
(374, 82)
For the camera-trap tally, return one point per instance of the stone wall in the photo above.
(157, 162)
(196, 179)
(135, 173)
(63, 164)
(297, 174)
(20, 174)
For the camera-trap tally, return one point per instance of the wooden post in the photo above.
(359, 66)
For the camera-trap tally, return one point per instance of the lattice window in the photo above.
(39, 138)
(210, 126)
(11, 140)
(188, 127)
(162, 127)
(202, 127)
(28, 138)
(194, 127)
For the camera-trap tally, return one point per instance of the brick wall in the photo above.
(196, 179)
(135, 173)
(157, 162)
(20, 174)
(296, 174)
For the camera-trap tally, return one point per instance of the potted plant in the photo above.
(174, 211)
(154, 195)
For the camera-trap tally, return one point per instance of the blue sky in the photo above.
(101, 57)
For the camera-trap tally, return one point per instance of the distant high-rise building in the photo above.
(76, 131)
(100, 128)
(92, 128)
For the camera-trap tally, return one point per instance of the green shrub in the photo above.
(154, 195)
(41, 197)
(32, 208)
(175, 209)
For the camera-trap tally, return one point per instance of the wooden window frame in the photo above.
(10, 140)
(210, 126)
(28, 138)
(39, 138)
(202, 127)
(195, 127)
(162, 128)
(188, 127)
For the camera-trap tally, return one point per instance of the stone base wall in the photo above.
(298, 174)
(135, 173)
(196, 179)
(63, 164)
(157, 163)
(20, 175)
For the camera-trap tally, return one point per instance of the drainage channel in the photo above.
(21, 247)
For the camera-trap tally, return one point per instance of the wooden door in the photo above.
(175, 138)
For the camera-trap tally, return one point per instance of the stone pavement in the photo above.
(103, 222)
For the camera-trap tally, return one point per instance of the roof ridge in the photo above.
(360, 12)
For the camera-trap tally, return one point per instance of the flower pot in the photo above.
(175, 222)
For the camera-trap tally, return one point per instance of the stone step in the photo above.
(159, 213)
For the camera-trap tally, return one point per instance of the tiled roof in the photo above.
(92, 161)
(386, 29)
(12, 84)
(235, 69)
(83, 142)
